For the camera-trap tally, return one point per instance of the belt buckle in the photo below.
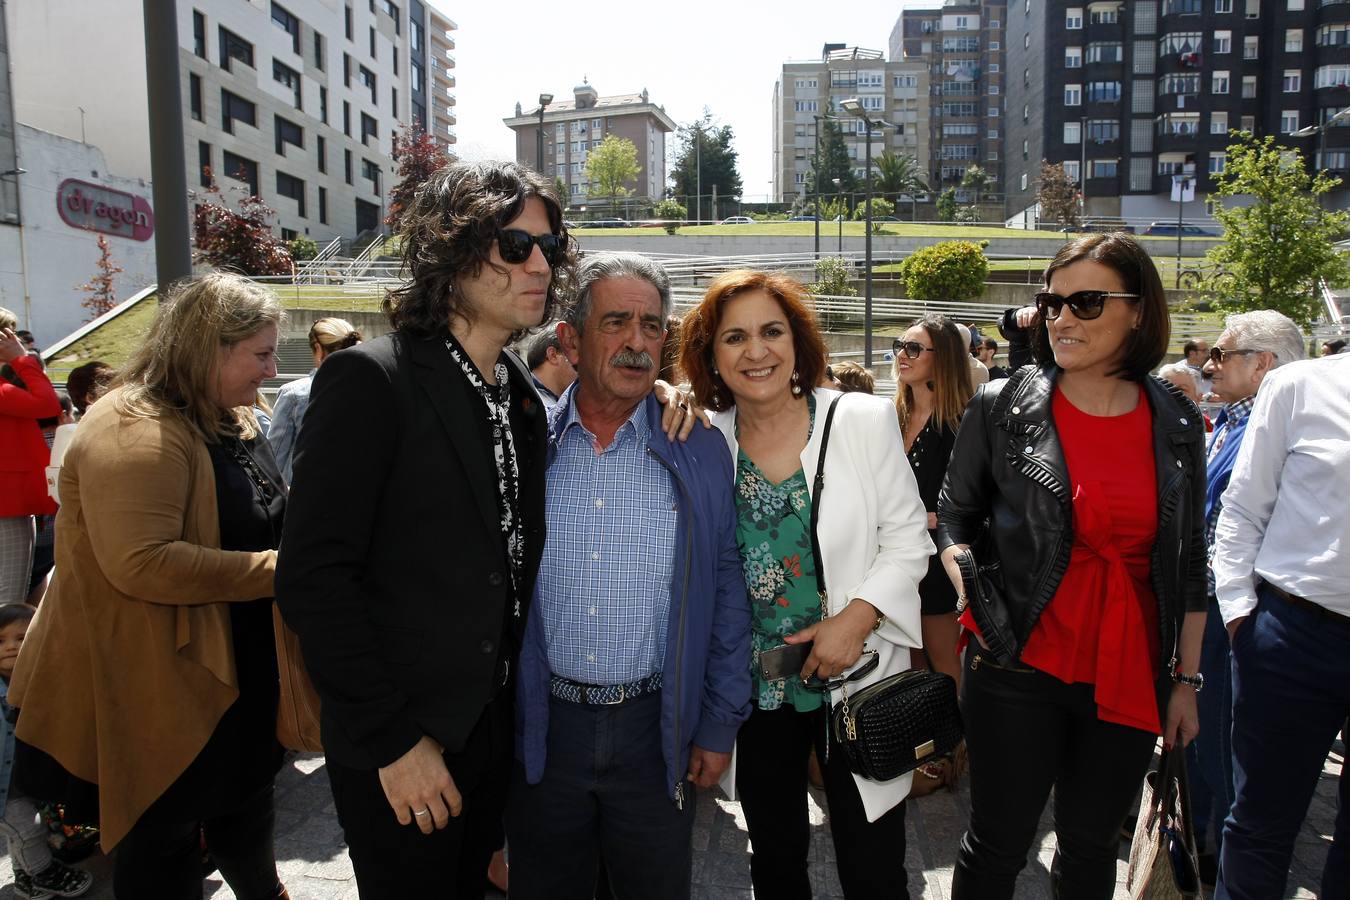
(616, 701)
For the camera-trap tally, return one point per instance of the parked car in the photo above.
(1169, 229)
(569, 225)
(802, 219)
(609, 223)
(738, 220)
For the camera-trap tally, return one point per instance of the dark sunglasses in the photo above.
(819, 684)
(1084, 304)
(515, 246)
(1220, 355)
(911, 349)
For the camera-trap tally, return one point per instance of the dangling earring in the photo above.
(796, 388)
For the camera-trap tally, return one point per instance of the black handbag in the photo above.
(901, 722)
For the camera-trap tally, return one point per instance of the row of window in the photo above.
(245, 170)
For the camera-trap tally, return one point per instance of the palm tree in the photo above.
(977, 180)
(897, 174)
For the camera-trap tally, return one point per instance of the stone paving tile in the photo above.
(314, 865)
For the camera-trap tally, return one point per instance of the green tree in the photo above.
(705, 146)
(672, 212)
(560, 188)
(302, 248)
(976, 180)
(898, 173)
(834, 163)
(1057, 194)
(880, 207)
(834, 278)
(946, 205)
(610, 167)
(950, 270)
(1278, 247)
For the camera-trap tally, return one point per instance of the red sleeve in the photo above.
(39, 401)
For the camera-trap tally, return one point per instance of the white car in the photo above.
(738, 220)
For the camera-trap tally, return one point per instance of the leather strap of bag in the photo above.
(815, 508)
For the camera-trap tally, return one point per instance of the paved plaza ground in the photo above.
(314, 862)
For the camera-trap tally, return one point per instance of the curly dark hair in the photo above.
(448, 232)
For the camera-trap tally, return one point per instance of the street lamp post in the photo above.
(1321, 132)
(544, 101)
(838, 195)
(854, 107)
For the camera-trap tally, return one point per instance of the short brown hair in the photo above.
(701, 324)
(1146, 345)
(853, 378)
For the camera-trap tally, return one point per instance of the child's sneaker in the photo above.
(24, 889)
(62, 881)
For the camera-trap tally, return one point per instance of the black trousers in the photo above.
(399, 861)
(771, 753)
(1027, 732)
(164, 859)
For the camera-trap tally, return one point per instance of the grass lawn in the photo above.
(855, 229)
(113, 343)
(336, 297)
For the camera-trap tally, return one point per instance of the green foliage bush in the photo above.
(303, 248)
(950, 270)
(834, 277)
(880, 207)
(673, 212)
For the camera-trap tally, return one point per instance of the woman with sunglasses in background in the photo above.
(932, 370)
(753, 354)
(1090, 474)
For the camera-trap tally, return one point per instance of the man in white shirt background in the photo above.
(1282, 572)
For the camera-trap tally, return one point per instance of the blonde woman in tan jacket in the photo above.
(150, 670)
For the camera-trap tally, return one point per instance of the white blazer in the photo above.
(873, 533)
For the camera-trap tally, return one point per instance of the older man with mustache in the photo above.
(634, 675)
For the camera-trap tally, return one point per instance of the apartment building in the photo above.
(441, 97)
(961, 44)
(892, 91)
(1127, 95)
(296, 101)
(573, 128)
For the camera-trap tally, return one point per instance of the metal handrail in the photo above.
(306, 269)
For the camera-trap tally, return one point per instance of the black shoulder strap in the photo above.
(817, 494)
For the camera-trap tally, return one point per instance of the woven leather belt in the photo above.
(1318, 608)
(602, 694)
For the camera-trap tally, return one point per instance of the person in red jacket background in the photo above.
(25, 396)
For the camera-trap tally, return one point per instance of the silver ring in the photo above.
(425, 812)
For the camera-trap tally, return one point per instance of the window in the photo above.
(290, 186)
(1144, 62)
(1293, 81)
(1026, 114)
(1253, 9)
(1102, 131)
(1023, 181)
(1336, 35)
(1141, 136)
(993, 90)
(415, 34)
(1073, 58)
(1288, 121)
(994, 68)
(1249, 123)
(1026, 78)
(235, 108)
(323, 105)
(321, 151)
(1293, 40)
(418, 77)
(1179, 83)
(993, 112)
(995, 45)
(372, 44)
(1105, 52)
(1295, 5)
(371, 172)
(1185, 44)
(1248, 87)
(1073, 17)
(1174, 124)
(204, 163)
(392, 12)
(1073, 95)
(1171, 167)
(241, 169)
(1223, 6)
(1223, 42)
(1219, 83)
(1218, 122)
(319, 62)
(346, 70)
(1250, 46)
(367, 77)
(287, 132)
(199, 34)
(195, 96)
(284, 74)
(347, 165)
(1073, 132)
(808, 106)
(287, 23)
(994, 24)
(1104, 168)
(1108, 15)
(1217, 160)
(232, 46)
(992, 134)
(347, 22)
(346, 118)
(393, 99)
(1103, 91)
(1071, 170)
(369, 128)
(323, 206)
(1026, 41)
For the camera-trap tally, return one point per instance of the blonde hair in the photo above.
(332, 334)
(171, 374)
(8, 319)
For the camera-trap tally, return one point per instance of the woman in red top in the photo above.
(1091, 475)
(25, 396)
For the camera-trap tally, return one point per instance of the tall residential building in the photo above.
(296, 101)
(961, 44)
(573, 128)
(442, 63)
(1127, 95)
(893, 91)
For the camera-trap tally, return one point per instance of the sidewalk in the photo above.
(314, 864)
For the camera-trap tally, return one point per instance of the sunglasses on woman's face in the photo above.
(1084, 304)
(515, 246)
(911, 349)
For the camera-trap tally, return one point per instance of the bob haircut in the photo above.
(170, 376)
(448, 234)
(1146, 346)
(701, 325)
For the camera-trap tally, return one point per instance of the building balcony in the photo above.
(1333, 11)
(1183, 102)
(1332, 54)
(1182, 140)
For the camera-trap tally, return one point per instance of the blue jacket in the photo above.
(6, 746)
(705, 692)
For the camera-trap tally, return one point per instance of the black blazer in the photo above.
(392, 567)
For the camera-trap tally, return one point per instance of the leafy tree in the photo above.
(101, 295)
(303, 248)
(610, 167)
(834, 278)
(898, 173)
(560, 188)
(1277, 248)
(880, 207)
(418, 157)
(707, 147)
(976, 180)
(946, 205)
(834, 163)
(241, 240)
(1057, 194)
(950, 270)
(673, 212)
(968, 215)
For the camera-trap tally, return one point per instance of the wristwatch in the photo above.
(1196, 681)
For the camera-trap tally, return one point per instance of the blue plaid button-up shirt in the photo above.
(604, 583)
(1233, 414)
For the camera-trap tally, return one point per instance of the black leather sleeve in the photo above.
(968, 489)
(1196, 587)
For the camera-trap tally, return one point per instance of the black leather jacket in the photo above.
(1012, 473)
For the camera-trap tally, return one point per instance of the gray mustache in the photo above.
(639, 360)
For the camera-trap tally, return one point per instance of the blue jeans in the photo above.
(1210, 756)
(1291, 694)
(604, 792)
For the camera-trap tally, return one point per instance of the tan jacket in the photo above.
(129, 664)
